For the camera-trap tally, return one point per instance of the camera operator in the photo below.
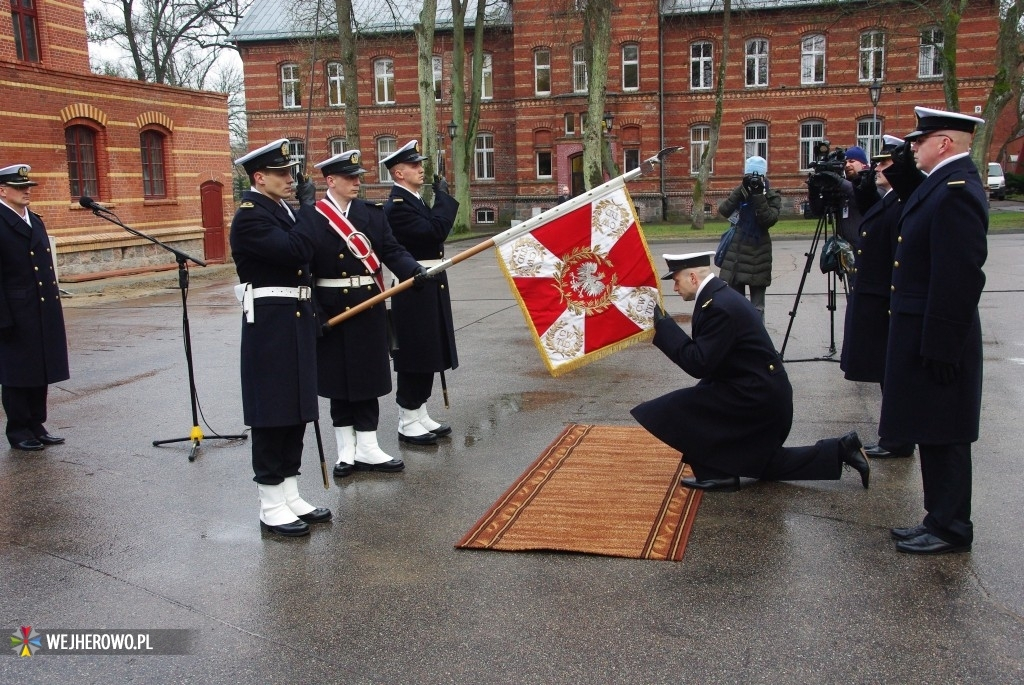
(858, 174)
(753, 207)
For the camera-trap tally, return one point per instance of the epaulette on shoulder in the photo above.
(397, 199)
(956, 183)
(379, 204)
(375, 205)
(246, 205)
(707, 304)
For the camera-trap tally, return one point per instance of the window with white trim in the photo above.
(297, 151)
(483, 157)
(543, 163)
(811, 133)
(384, 82)
(700, 138)
(487, 78)
(756, 73)
(542, 72)
(869, 135)
(337, 145)
(755, 139)
(335, 85)
(570, 124)
(386, 145)
(485, 215)
(630, 159)
(701, 65)
(438, 74)
(579, 70)
(631, 67)
(872, 56)
(812, 59)
(290, 86)
(929, 60)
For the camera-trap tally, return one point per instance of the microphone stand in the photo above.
(196, 435)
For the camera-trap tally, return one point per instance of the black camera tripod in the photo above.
(828, 225)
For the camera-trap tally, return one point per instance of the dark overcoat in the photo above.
(33, 342)
(422, 316)
(937, 280)
(866, 332)
(353, 360)
(741, 410)
(748, 259)
(278, 351)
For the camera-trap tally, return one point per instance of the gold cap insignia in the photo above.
(284, 149)
(23, 171)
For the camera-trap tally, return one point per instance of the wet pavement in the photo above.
(781, 582)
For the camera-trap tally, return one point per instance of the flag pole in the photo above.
(500, 239)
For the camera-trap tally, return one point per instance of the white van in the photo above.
(996, 182)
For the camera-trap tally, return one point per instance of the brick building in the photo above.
(157, 156)
(798, 71)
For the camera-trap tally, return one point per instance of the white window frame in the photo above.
(337, 145)
(869, 135)
(929, 59)
(335, 85)
(580, 78)
(812, 59)
(756, 71)
(483, 157)
(485, 215)
(541, 71)
(872, 56)
(386, 145)
(630, 67)
(630, 159)
(297, 151)
(487, 77)
(700, 138)
(551, 163)
(438, 69)
(570, 123)
(290, 86)
(384, 81)
(755, 139)
(812, 132)
(702, 65)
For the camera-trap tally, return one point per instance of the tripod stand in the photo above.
(196, 435)
(827, 225)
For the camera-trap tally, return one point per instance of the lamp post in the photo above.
(452, 130)
(874, 92)
(608, 118)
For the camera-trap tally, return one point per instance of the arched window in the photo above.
(483, 158)
(755, 139)
(630, 66)
(812, 59)
(26, 33)
(80, 142)
(385, 146)
(154, 184)
(335, 85)
(542, 72)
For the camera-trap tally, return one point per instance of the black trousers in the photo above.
(819, 461)
(413, 389)
(946, 475)
(892, 445)
(276, 453)
(363, 415)
(26, 412)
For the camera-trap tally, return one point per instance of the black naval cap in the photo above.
(691, 260)
(408, 154)
(16, 176)
(889, 143)
(271, 156)
(929, 120)
(343, 164)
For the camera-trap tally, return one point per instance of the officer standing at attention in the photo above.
(272, 252)
(933, 365)
(424, 327)
(33, 343)
(734, 421)
(353, 360)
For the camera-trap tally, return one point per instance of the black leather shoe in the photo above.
(879, 452)
(851, 452)
(387, 466)
(295, 529)
(727, 484)
(908, 533)
(318, 515)
(48, 439)
(30, 445)
(341, 470)
(926, 543)
(425, 439)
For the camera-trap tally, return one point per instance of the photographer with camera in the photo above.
(753, 208)
(858, 185)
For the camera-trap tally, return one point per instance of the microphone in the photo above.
(89, 203)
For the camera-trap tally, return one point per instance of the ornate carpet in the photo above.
(611, 490)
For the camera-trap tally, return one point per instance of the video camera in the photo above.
(827, 175)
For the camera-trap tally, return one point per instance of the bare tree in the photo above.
(466, 121)
(596, 48)
(424, 30)
(704, 171)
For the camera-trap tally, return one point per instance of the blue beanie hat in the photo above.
(857, 153)
(755, 165)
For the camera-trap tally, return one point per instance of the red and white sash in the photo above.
(357, 241)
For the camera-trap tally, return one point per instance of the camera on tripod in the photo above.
(826, 178)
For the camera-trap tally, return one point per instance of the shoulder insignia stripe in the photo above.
(956, 183)
(706, 304)
(397, 199)
(246, 205)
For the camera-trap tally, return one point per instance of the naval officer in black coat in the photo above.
(424, 327)
(272, 251)
(33, 342)
(734, 421)
(353, 360)
(933, 367)
(866, 330)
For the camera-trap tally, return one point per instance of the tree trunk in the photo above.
(704, 171)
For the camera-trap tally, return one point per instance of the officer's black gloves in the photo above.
(902, 156)
(903, 175)
(305, 190)
(943, 373)
(440, 185)
(420, 277)
(659, 314)
(865, 191)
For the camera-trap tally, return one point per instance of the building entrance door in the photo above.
(211, 195)
(576, 165)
